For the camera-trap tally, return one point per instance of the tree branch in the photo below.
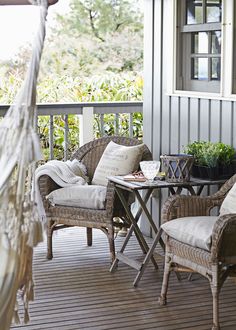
(118, 25)
(95, 31)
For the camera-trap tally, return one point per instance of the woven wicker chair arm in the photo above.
(225, 188)
(46, 185)
(223, 237)
(110, 197)
(178, 206)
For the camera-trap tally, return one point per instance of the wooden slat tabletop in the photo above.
(133, 185)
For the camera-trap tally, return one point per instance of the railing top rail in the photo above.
(77, 108)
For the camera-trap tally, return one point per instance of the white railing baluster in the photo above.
(51, 139)
(116, 124)
(66, 132)
(130, 125)
(102, 124)
(86, 112)
(86, 125)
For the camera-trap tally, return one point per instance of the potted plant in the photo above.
(211, 160)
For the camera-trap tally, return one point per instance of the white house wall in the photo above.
(171, 121)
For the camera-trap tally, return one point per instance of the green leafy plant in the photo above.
(226, 153)
(210, 154)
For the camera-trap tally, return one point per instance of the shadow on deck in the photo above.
(76, 291)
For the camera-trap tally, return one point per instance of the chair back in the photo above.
(227, 242)
(222, 193)
(91, 152)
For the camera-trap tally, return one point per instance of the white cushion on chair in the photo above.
(194, 231)
(117, 160)
(229, 203)
(87, 196)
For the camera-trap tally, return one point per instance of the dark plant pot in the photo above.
(213, 173)
(195, 171)
(205, 172)
(225, 172)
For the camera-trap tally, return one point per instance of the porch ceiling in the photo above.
(75, 291)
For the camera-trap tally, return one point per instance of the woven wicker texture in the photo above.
(177, 167)
(89, 154)
(215, 265)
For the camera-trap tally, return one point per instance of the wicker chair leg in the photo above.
(165, 282)
(215, 296)
(111, 244)
(89, 236)
(50, 227)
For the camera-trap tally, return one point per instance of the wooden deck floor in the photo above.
(75, 291)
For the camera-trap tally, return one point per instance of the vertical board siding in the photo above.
(204, 119)
(226, 120)
(182, 119)
(184, 123)
(215, 129)
(194, 116)
(166, 125)
(234, 123)
(175, 122)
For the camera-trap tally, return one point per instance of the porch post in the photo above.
(152, 103)
(86, 125)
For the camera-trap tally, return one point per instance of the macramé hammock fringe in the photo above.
(20, 227)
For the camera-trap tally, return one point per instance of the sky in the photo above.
(18, 24)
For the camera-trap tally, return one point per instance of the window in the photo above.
(199, 45)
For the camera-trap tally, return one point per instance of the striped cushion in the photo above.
(229, 203)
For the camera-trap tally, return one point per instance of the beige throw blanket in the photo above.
(63, 173)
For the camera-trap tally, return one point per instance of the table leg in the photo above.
(145, 209)
(140, 211)
(115, 262)
(134, 220)
(147, 258)
(199, 191)
(143, 244)
(191, 190)
(131, 229)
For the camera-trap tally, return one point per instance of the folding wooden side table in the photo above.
(137, 187)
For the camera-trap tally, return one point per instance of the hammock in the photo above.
(20, 227)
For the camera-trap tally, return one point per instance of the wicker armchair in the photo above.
(217, 263)
(65, 216)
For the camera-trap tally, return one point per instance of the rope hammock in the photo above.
(20, 227)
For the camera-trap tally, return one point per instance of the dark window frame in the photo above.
(185, 55)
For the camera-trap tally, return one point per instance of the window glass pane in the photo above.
(216, 42)
(194, 12)
(200, 43)
(200, 68)
(215, 68)
(213, 11)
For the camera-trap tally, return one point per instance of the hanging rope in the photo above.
(20, 228)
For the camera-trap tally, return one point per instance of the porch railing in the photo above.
(85, 113)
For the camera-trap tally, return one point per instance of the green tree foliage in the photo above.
(93, 53)
(104, 17)
(108, 88)
(96, 36)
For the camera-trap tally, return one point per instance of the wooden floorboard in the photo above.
(76, 291)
